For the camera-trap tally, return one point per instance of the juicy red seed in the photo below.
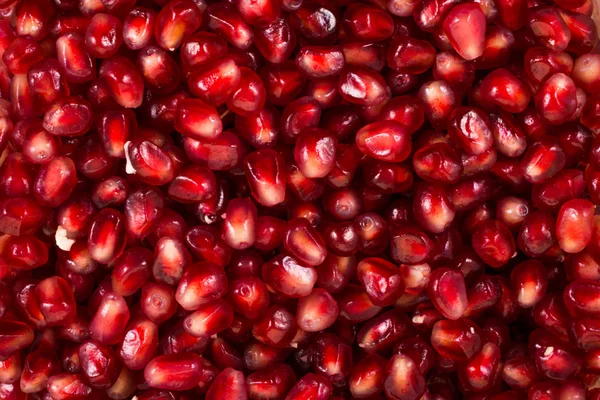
(138, 28)
(465, 27)
(173, 371)
(447, 290)
(139, 343)
(200, 283)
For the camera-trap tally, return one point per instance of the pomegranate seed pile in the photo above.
(299, 200)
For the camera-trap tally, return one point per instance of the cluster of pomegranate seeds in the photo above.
(299, 200)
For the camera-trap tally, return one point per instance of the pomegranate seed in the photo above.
(139, 343)
(20, 216)
(24, 252)
(266, 175)
(70, 116)
(332, 358)
(173, 371)
(381, 280)
(160, 71)
(158, 302)
(99, 364)
(409, 55)
(447, 290)
(176, 20)
(14, 337)
(112, 308)
(177, 340)
(275, 381)
(68, 386)
(311, 386)
(553, 358)
(275, 328)
(104, 36)
(403, 379)
(457, 340)
(494, 243)
(579, 298)
(209, 319)
(503, 89)
(549, 28)
(79, 65)
(200, 283)
(465, 27)
(225, 20)
(138, 28)
(362, 86)
(574, 225)
(433, 208)
(125, 84)
(556, 99)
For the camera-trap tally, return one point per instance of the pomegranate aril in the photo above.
(332, 358)
(529, 281)
(205, 243)
(79, 65)
(505, 90)
(138, 28)
(283, 82)
(125, 84)
(433, 208)
(14, 336)
(403, 380)
(38, 367)
(68, 386)
(108, 324)
(447, 290)
(24, 252)
(56, 301)
(209, 318)
(556, 99)
(20, 216)
(104, 36)
(225, 20)
(260, 129)
(482, 372)
(383, 331)
(457, 340)
(494, 243)
(549, 28)
(200, 283)
(554, 359)
(175, 21)
(579, 298)
(39, 146)
(21, 55)
(277, 327)
(170, 260)
(160, 71)
(139, 343)
(275, 41)
(271, 383)
(465, 27)
(173, 371)
(409, 55)
(361, 85)
(312, 386)
(151, 163)
(574, 225)
(99, 364)
(381, 280)
(157, 302)
(266, 174)
(131, 270)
